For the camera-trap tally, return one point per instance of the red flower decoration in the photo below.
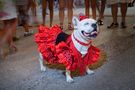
(82, 17)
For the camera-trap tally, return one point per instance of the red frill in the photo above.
(45, 39)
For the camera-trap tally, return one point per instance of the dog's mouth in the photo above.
(89, 35)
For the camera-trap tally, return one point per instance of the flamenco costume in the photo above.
(57, 47)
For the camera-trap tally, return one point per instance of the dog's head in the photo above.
(87, 28)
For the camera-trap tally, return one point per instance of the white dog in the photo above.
(81, 37)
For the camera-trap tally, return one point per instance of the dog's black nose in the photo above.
(95, 29)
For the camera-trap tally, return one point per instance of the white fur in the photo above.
(79, 26)
(82, 49)
(69, 79)
(42, 67)
(90, 72)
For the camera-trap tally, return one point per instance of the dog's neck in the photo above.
(80, 44)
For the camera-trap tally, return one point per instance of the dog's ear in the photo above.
(75, 22)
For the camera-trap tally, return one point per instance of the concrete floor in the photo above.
(20, 71)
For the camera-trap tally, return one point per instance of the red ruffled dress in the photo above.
(64, 52)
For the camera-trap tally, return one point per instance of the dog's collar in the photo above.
(82, 43)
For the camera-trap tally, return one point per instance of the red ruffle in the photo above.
(45, 40)
(66, 56)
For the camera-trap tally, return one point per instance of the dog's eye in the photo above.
(94, 25)
(86, 24)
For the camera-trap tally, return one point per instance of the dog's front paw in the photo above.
(90, 72)
(69, 79)
(43, 69)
